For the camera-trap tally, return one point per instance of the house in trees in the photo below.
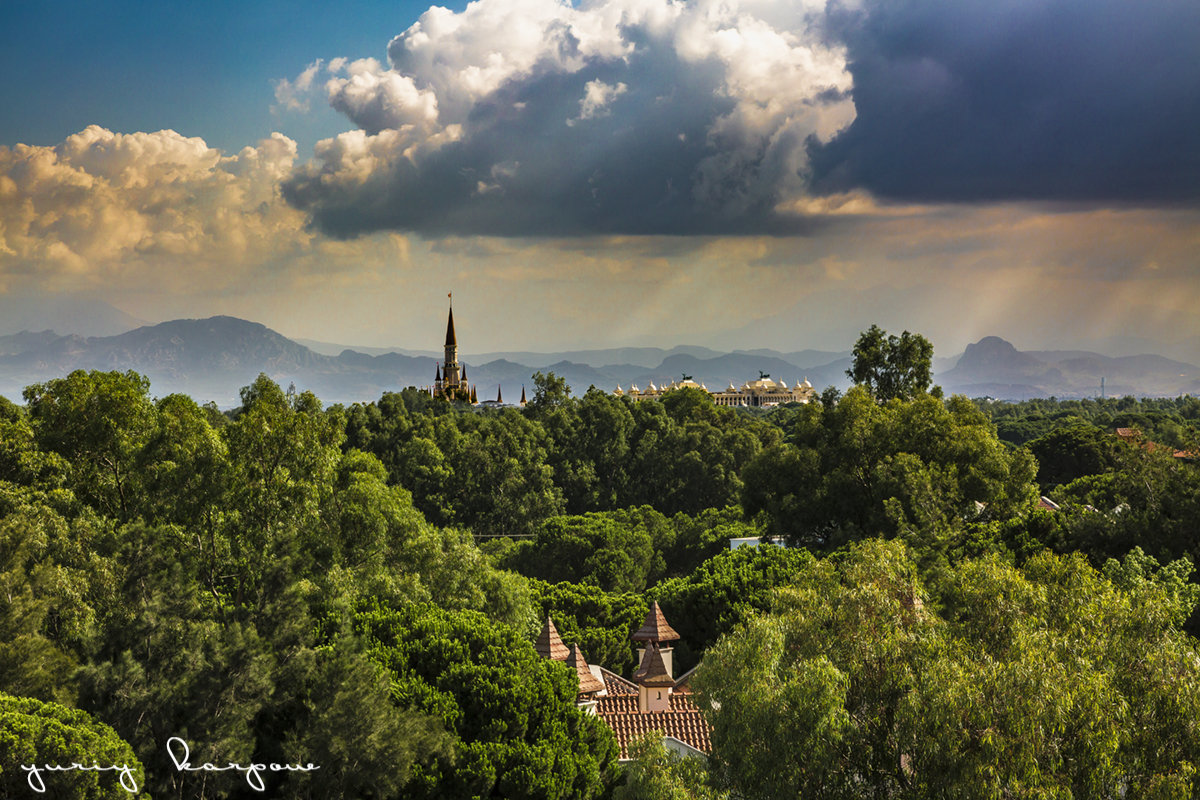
(652, 699)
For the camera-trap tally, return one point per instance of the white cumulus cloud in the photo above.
(699, 116)
(102, 203)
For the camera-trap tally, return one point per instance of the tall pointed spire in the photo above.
(499, 397)
(450, 340)
(522, 394)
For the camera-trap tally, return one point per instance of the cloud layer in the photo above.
(1076, 100)
(101, 202)
(534, 117)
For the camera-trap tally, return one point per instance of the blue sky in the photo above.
(776, 173)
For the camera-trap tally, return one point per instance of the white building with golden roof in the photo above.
(752, 394)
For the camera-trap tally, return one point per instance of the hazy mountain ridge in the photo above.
(993, 367)
(211, 359)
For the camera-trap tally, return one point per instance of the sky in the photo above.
(728, 173)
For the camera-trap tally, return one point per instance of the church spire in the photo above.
(450, 340)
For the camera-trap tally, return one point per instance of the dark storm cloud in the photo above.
(1078, 100)
(663, 126)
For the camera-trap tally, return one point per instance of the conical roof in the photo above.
(450, 340)
(588, 683)
(655, 628)
(653, 671)
(549, 645)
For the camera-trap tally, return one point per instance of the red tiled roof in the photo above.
(549, 644)
(655, 628)
(683, 721)
(616, 685)
(587, 681)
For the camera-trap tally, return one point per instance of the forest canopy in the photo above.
(360, 587)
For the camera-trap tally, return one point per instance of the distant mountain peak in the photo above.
(993, 353)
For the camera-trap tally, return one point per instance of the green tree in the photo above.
(1066, 454)
(33, 733)
(599, 622)
(512, 714)
(550, 391)
(919, 468)
(99, 422)
(892, 366)
(599, 549)
(723, 592)
(655, 774)
(1049, 681)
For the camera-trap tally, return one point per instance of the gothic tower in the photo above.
(453, 385)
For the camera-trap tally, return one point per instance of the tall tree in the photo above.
(99, 421)
(892, 366)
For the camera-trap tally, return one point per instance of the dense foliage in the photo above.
(1051, 681)
(360, 588)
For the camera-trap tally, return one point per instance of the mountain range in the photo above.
(211, 359)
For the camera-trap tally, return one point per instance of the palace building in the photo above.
(753, 394)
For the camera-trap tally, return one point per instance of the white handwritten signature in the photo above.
(180, 753)
(33, 774)
(253, 771)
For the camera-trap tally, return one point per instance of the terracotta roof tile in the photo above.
(655, 628)
(616, 685)
(549, 644)
(587, 681)
(683, 721)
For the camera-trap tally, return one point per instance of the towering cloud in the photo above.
(536, 117)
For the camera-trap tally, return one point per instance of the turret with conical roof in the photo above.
(657, 633)
(654, 681)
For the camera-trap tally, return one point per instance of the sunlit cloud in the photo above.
(538, 118)
(103, 206)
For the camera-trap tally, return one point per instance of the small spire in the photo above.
(655, 628)
(499, 399)
(474, 398)
(522, 394)
(549, 644)
(587, 681)
(438, 375)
